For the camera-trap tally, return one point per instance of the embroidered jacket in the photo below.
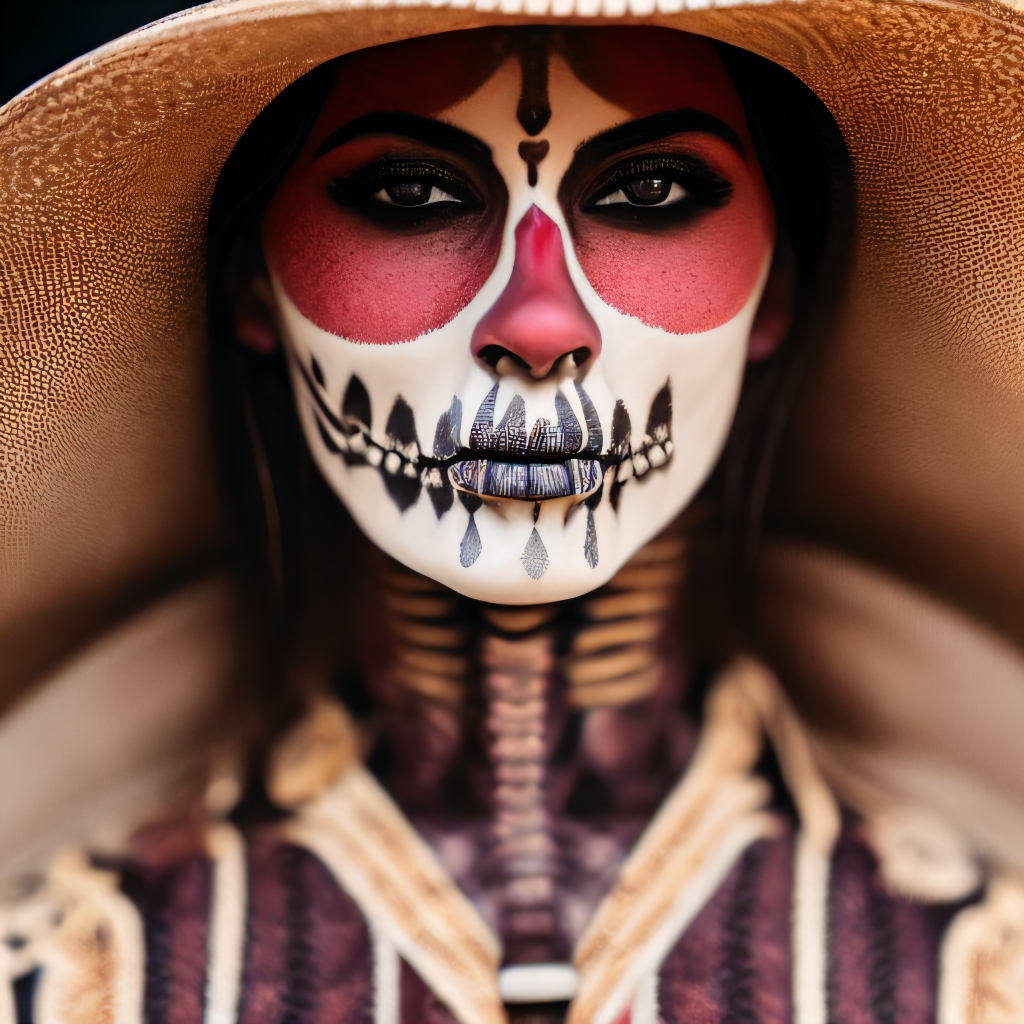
(729, 908)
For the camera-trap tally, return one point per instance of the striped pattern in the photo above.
(309, 956)
(342, 914)
(431, 635)
(714, 813)
(377, 857)
(616, 657)
(525, 854)
(173, 900)
(228, 912)
(733, 963)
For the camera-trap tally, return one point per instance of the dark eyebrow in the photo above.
(655, 127)
(412, 126)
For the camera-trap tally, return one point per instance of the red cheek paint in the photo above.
(687, 279)
(355, 278)
(700, 275)
(365, 282)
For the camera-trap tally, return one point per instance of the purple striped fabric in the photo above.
(169, 882)
(732, 964)
(884, 951)
(308, 958)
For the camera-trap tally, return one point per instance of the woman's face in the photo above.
(516, 275)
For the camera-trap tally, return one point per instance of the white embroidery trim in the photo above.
(387, 979)
(228, 912)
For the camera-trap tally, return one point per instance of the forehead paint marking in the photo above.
(534, 109)
(490, 115)
(533, 153)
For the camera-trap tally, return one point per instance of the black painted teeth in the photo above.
(510, 437)
(355, 407)
(449, 427)
(406, 471)
(400, 463)
(623, 462)
(446, 444)
(595, 436)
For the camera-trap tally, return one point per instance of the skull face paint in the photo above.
(516, 307)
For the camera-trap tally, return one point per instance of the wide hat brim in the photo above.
(905, 447)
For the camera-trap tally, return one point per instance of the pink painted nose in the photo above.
(539, 317)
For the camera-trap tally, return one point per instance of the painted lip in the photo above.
(527, 481)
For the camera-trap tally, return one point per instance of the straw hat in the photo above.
(905, 449)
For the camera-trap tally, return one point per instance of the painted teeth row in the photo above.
(532, 482)
(562, 438)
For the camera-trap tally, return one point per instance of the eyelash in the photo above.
(703, 187)
(360, 188)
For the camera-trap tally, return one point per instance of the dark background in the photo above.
(39, 36)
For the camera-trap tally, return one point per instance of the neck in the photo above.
(531, 745)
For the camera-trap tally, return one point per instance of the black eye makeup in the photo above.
(656, 182)
(407, 186)
(645, 175)
(453, 177)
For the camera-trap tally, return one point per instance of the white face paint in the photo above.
(592, 461)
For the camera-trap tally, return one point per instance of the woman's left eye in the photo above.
(652, 183)
(649, 191)
(413, 193)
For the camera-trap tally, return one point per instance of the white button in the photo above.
(538, 983)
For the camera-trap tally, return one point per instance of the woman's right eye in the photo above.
(393, 184)
(413, 193)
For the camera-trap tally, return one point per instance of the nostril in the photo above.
(493, 354)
